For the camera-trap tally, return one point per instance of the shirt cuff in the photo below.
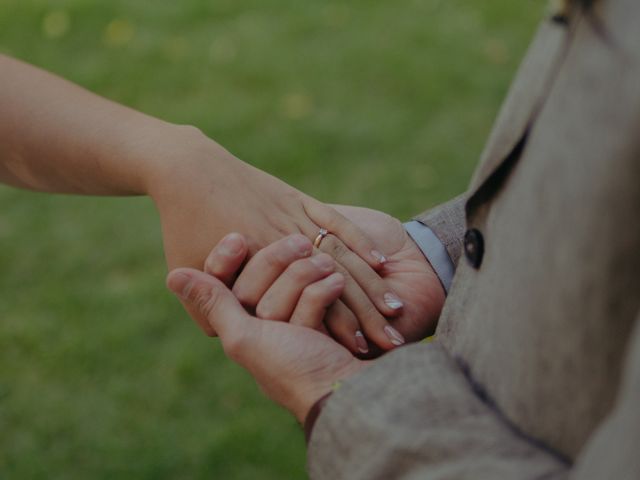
(434, 250)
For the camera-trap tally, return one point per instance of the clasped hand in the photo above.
(269, 310)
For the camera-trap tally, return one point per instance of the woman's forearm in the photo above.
(58, 137)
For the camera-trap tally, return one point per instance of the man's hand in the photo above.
(294, 365)
(406, 271)
(291, 281)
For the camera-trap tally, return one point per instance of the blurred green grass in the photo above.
(383, 104)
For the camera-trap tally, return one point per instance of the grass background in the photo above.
(370, 102)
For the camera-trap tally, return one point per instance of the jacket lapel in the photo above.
(523, 101)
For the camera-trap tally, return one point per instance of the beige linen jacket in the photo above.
(535, 372)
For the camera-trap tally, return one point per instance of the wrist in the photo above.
(195, 185)
(312, 416)
(320, 394)
(179, 157)
(305, 405)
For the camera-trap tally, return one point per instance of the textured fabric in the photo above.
(525, 380)
(523, 101)
(434, 251)
(553, 303)
(447, 222)
(458, 433)
(613, 450)
(446, 432)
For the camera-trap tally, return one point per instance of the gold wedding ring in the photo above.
(321, 234)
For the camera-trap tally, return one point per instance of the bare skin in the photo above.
(57, 137)
(285, 345)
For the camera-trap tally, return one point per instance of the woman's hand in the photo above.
(208, 193)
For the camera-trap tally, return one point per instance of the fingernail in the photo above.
(323, 262)
(379, 257)
(394, 336)
(231, 245)
(179, 284)
(393, 301)
(301, 244)
(361, 343)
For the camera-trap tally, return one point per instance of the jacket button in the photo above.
(474, 247)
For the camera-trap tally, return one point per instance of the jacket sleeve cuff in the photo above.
(415, 413)
(313, 415)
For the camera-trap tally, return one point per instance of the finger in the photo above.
(279, 301)
(226, 258)
(344, 328)
(353, 237)
(315, 300)
(375, 327)
(267, 265)
(200, 320)
(385, 300)
(210, 298)
(223, 262)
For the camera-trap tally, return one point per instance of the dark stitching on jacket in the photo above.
(481, 392)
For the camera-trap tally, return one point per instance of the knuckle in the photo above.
(334, 247)
(204, 297)
(244, 296)
(290, 195)
(334, 220)
(299, 240)
(269, 308)
(264, 310)
(210, 264)
(300, 270)
(272, 259)
(313, 295)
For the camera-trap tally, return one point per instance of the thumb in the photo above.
(211, 298)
